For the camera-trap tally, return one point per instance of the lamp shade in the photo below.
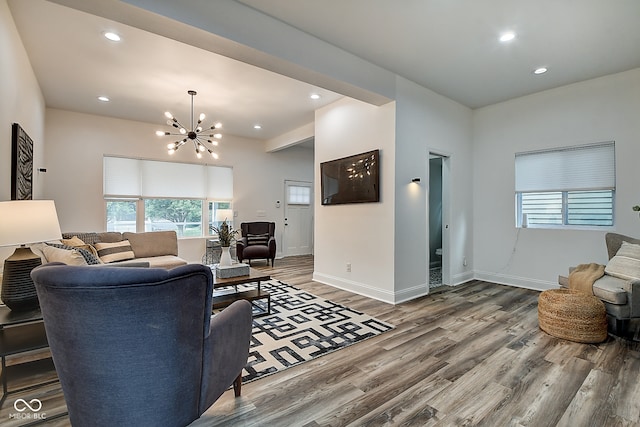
(222, 214)
(28, 221)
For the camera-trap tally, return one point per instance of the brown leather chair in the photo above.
(257, 241)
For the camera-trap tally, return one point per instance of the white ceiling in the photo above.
(449, 46)
(145, 75)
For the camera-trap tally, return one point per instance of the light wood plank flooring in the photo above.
(469, 355)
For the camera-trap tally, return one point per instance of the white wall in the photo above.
(602, 109)
(427, 122)
(77, 143)
(361, 234)
(21, 101)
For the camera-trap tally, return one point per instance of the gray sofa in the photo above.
(152, 249)
(621, 297)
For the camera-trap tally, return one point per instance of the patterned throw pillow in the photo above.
(257, 239)
(117, 251)
(88, 256)
(626, 263)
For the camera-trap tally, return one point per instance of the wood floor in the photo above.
(469, 355)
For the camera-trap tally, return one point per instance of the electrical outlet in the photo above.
(348, 267)
(464, 261)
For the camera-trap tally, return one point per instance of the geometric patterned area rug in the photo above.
(301, 327)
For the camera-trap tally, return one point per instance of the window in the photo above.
(298, 195)
(147, 195)
(121, 215)
(568, 187)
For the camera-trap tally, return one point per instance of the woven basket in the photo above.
(573, 316)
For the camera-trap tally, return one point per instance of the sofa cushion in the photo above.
(153, 243)
(162, 261)
(117, 251)
(626, 263)
(88, 238)
(611, 289)
(109, 237)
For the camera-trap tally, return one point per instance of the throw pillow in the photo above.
(626, 263)
(69, 257)
(113, 252)
(87, 254)
(257, 239)
(76, 242)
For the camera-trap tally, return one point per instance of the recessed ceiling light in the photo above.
(314, 96)
(507, 37)
(257, 127)
(112, 36)
(540, 70)
(103, 99)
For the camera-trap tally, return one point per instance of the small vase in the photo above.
(225, 257)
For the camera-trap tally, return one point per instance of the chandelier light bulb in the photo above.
(214, 155)
(160, 133)
(202, 116)
(168, 115)
(213, 142)
(171, 151)
(183, 131)
(217, 135)
(218, 125)
(199, 129)
(198, 154)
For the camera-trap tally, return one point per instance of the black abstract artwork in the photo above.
(21, 164)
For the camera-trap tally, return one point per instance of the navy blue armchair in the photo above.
(138, 346)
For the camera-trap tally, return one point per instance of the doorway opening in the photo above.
(438, 220)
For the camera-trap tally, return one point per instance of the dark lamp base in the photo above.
(18, 290)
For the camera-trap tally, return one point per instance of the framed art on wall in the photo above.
(21, 164)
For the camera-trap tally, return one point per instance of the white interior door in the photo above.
(298, 218)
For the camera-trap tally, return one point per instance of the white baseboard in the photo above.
(519, 282)
(355, 287)
(459, 279)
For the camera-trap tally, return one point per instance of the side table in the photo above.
(21, 332)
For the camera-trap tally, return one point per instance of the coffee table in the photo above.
(224, 299)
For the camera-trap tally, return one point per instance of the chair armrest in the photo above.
(226, 350)
(272, 246)
(241, 243)
(634, 298)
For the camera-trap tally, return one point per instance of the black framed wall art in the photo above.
(21, 164)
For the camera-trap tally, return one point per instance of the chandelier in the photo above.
(197, 135)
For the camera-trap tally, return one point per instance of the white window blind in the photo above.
(170, 180)
(587, 167)
(157, 179)
(121, 177)
(220, 183)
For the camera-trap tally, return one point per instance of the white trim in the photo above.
(515, 281)
(355, 287)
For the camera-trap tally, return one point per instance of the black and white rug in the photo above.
(301, 327)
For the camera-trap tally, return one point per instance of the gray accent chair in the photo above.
(138, 346)
(621, 297)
